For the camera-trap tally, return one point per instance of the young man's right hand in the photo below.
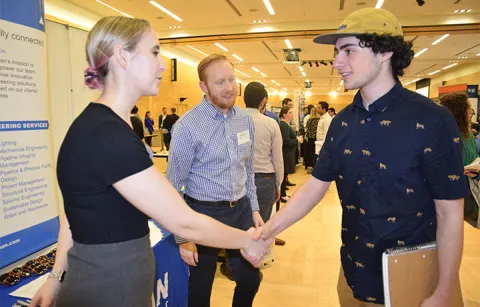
(189, 253)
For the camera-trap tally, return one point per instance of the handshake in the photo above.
(254, 252)
(260, 245)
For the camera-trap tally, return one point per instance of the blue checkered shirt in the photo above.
(206, 158)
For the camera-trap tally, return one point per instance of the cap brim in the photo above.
(331, 39)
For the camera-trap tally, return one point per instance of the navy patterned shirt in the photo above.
(389, 162)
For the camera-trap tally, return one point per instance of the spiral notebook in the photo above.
(410, 275)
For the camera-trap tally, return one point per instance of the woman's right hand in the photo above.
(47, 294)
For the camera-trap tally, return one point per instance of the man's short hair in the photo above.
(206, 62)
(333, 110)
(254, 94)
(173, 110)
(134, 110)
(323, 104)
(310, 107)
(164, 108)
(285, 101)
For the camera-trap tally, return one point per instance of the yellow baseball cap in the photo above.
(364, 21)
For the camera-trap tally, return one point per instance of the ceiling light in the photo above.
(478, 54)
(111, 7)
(308, 94)
(307, 81)
(333, 93)
(193, 48)
(379, 4)
(221, 47)
(284, 89)
(158, 6)
(468, 11)
(283, 94)
(449, 66)
(341, 82)
(275, 92)
(338, 89)
(273, 81)
(242, 73)
(440, 39)
(420, 52)
(462, 11)
(432, 73)
(301, 68)
(264, 75)
(237, 57)
(456, 11)
(304, 74)
(289, 45)
(256, 69)
(269, 7)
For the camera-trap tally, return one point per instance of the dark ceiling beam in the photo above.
(473, 28)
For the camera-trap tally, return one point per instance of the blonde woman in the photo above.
(311, 135)
(110, 186)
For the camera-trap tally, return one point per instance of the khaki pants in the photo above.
(345, 294)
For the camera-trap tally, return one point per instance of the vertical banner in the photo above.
(29, 213)
(472, 93)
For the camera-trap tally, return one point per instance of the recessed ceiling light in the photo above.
(116, 10)
(158, 6)
(221, 47)
(300, 67)
(462, 11)
(269, 6)
(338, 89)
(242, 73)
(285, 89)
(264, 75)
(449, 66)
(193, 48)
(341, 83)
(440, 39)
(435, 72)
(478, 54)
(256, 69)
(237, 57)
(308, 94)
(304, 74)
(333, 93)
(307, 80)
(420, 52)
(379, 4)
(468, 11)
(289, 45)
(456, 11)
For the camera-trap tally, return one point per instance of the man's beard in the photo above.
(222, 102)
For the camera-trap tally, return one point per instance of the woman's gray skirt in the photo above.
(109, 275)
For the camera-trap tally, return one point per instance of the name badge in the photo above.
(243, 137)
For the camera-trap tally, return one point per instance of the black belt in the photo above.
(264, 175)
(228, 203)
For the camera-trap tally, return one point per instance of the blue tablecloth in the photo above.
(171, 282)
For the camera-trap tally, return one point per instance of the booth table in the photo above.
(171, 281)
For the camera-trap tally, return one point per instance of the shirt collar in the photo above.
(213, 112)
(382, 103)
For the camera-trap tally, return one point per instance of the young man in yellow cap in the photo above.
(396, 160)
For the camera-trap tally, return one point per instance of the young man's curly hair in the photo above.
(402, 50)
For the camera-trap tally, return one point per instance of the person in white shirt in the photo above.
(324, 121)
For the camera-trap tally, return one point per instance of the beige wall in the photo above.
(338, 102)
(468, 73)
(170, 92)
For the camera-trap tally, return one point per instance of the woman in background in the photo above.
(289, 147)
(458, 104)
(311, 134)
(149, 122)
(110, 187)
